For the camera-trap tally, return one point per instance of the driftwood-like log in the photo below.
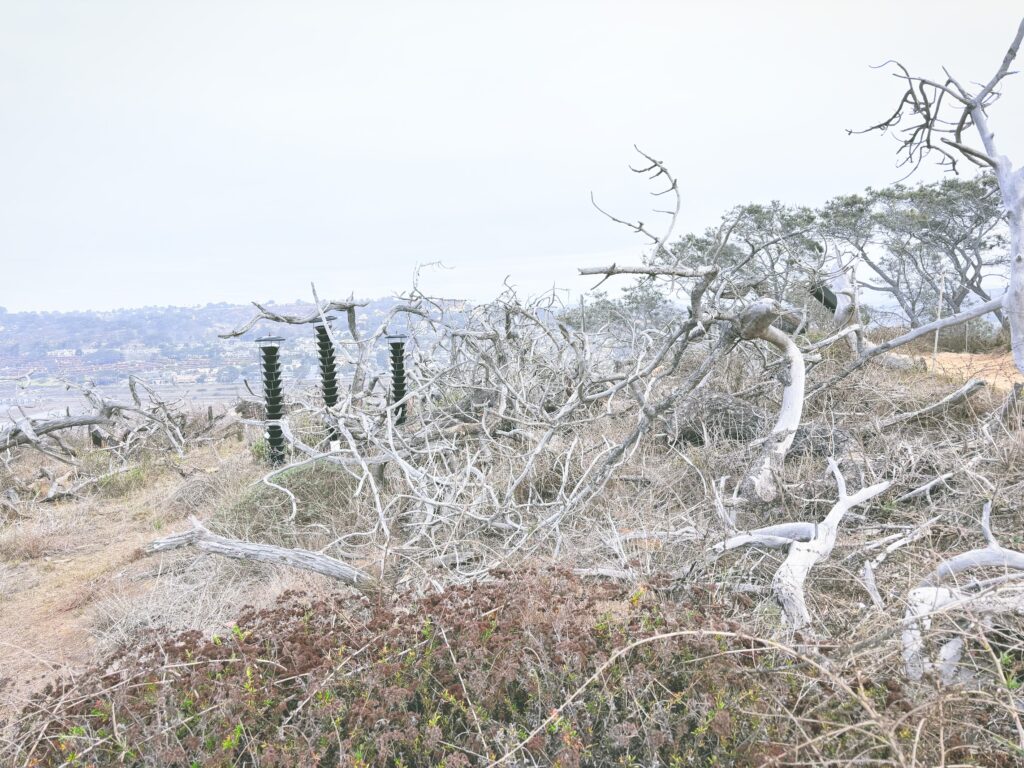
(206, 541)
(756, 323)
(950, 400)
(788, 583)
(771, 536)
(809, 543)
(930, 598)
(25, 432)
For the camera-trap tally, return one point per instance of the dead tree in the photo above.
(719, 293)
(316, 316)
(937, 117)
(204, 540)
(834, 288)
(126, 422)
(808, 544)
(122, 429)
(981, 597)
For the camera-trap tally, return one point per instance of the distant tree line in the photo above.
(917, 252)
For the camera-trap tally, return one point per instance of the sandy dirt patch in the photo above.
(997, 368)
(59, 562)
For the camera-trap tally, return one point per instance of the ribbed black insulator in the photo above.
(328, 373)
(398, 379)
(273, 394)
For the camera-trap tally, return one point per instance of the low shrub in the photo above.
(535, 669)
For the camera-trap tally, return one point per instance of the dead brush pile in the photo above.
(761, 559)
(530, 668)
(675, 656)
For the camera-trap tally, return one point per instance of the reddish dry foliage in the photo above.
(465, 677)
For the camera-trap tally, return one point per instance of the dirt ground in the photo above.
(997, 368)
(59, 562)
(44, 624)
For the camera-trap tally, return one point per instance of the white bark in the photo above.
(1011, 188)
(204, 540)
(867, 573)
(954, 398)
(616, 269)
(846, 296)
(756, 324)
(925, 602)
(846, 314)
(789, 580)
(929, 598)
(809, 543)
(24, 432)
(771, 536)
(909, 336)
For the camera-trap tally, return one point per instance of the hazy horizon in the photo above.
(204, 152)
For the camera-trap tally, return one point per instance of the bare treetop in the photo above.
(933, 115)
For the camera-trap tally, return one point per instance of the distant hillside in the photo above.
(171, 344)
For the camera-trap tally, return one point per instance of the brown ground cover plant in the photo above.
(535, 668)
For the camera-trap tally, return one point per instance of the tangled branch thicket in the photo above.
(728, 530)
(626, 459)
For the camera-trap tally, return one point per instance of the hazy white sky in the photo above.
(182, 152)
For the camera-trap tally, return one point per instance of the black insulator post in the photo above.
(328, 373)
(825, 297)
(397, 344)
(273, 395)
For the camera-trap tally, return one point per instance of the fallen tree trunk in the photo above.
(809, 543)
(771, 536)
(204, 540)
(929, 598)
(25, 432)
(954, 398)
(909, 336)
(756, 323)
(788, 583)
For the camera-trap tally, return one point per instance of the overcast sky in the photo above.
(186, 152)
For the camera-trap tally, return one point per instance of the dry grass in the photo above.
(31, 543)
(61, 562)
(46, 531)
